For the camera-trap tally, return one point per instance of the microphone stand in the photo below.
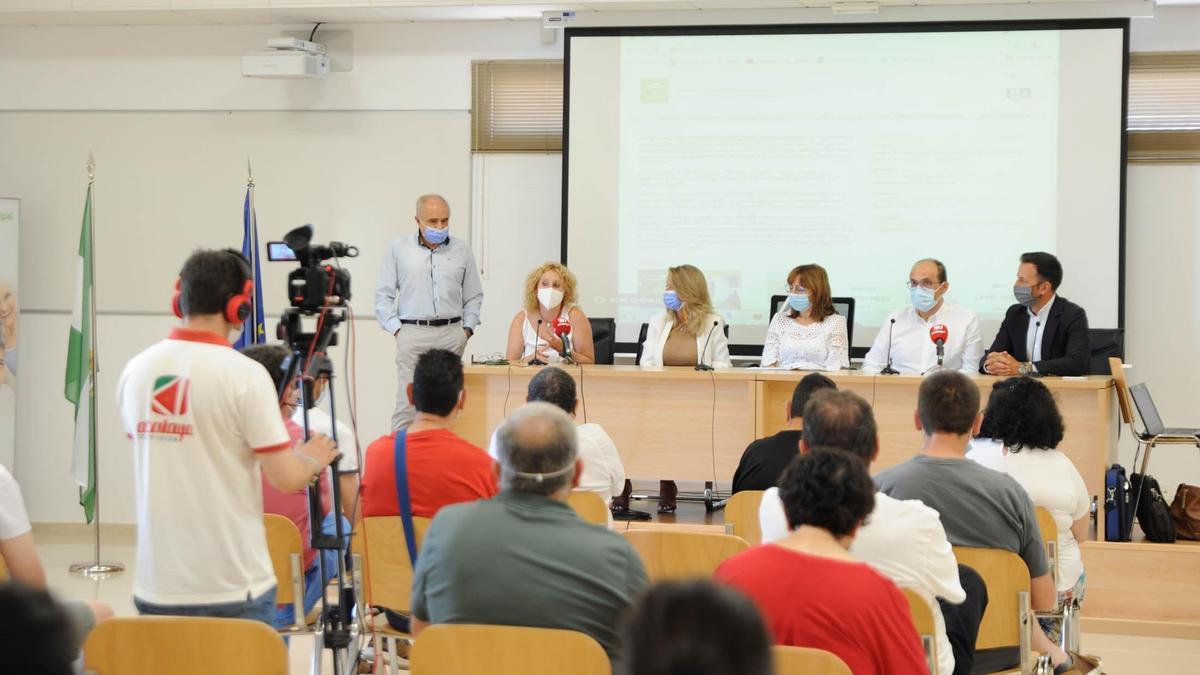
(537, 337)
(889, 370)
(701, 365)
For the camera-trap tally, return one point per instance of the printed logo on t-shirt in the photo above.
(168, 399)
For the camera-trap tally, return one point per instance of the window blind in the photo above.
(1164, 107)
(517, 106)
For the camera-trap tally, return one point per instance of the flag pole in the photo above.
(94, 568)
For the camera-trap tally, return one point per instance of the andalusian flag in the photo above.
(79, 368)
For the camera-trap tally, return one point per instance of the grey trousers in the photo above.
(411, 342)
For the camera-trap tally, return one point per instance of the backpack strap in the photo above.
(400, 457)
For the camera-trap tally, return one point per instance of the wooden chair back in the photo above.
(287, 556)
(1006, 619)
(921, 608)
(590, 506)
(1049, 530)
(389, 572)
(741, 516)
(806, 661)
(1122, 384)
(184, 646)
(467, 649)
(671, 556)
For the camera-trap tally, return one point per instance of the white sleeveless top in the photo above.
(532, 338)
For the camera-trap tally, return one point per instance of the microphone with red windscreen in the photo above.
(562, 328)
(939, 333)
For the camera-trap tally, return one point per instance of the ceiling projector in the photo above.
(287, 58)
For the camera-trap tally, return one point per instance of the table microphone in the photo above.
(701, 365)
(938, 333)
(889, 370)
(535, 361)
(562, 328)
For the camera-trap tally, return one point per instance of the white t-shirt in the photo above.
(319, 422)
(603, 471)
(14, 522)
(903, 540)
(1054, 484)
(197, 413)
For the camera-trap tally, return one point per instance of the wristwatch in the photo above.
(1025, 368)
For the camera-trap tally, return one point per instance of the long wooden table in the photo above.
(683, 424)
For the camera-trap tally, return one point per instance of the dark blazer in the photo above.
(1065, 347)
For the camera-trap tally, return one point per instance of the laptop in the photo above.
(1149, 413)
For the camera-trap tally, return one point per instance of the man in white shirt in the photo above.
(202, 418)
(603, 471)
(429, 295)
(905, 334)
(903, 539)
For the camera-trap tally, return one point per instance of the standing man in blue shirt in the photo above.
(429, 295)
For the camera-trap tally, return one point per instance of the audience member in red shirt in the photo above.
(442, 468)
(811, 591)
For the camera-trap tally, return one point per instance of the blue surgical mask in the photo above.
(435, 235)
(672, 301)
(799, 302)
(922, 299)
(1024, 295)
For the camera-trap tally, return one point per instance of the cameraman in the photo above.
(429, 295)
(201, 417)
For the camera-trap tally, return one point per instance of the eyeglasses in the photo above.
(794, 290)
(927, 285)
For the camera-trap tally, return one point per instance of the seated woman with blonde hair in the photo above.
(550, 297)
(689, 333)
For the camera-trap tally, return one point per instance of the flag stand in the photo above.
(94, 568)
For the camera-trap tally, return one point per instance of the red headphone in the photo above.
(237, 308)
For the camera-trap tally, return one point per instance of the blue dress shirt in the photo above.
(417, 282)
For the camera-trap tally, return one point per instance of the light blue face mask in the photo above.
(923, 299)
(799, 302)
(434, 235)
(672, 301)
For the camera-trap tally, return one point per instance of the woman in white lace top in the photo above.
(807, 334)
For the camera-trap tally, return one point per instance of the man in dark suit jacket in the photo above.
(1056, 328)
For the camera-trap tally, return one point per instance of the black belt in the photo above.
(431, 322)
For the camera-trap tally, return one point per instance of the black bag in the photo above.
(1153, 512)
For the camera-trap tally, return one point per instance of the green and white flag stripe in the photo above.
(79, 368)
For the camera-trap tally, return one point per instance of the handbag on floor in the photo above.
(1153, 512)
(1185, 511)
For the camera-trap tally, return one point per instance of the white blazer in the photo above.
(716, 354)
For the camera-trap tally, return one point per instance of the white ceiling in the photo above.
(208, 12)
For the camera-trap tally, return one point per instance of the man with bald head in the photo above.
(905, 334)
(429, 295)
(524, 558)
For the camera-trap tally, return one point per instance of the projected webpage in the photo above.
(747, 155)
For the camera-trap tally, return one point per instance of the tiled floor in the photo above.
(1123, 655)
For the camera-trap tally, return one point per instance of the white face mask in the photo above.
(549, 298)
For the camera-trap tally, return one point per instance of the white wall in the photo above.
(171, 123)
(1162, 287)
(169, 181)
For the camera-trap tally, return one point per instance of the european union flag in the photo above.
(255, 330)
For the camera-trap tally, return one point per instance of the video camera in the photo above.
(313, 285)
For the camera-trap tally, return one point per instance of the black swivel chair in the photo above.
(604, 332)
(1104, 343)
